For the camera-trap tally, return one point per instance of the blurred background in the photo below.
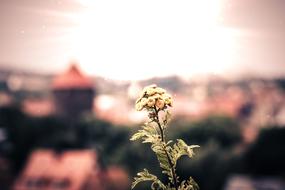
(71, 70)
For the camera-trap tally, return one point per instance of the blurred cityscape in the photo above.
(71, 131)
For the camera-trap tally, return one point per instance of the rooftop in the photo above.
(73, 78)
(47, 169)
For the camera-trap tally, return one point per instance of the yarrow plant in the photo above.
(156, 101)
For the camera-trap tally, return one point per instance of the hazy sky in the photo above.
(134, 39)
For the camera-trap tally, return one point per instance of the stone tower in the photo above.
(73, 93)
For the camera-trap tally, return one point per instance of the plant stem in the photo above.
(164, 148)
(159, 125)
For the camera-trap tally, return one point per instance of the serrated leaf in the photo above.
(190, 184)
(146, 176)
(167, 117)
(163, 155)
(180, 149)
(138, 135)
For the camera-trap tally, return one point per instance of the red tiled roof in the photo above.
(72, 79)
(69, 170)
(38, 107)
(115, 178)
(117, 175)
(75, 167)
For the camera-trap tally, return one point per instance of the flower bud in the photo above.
(143, 101)
(139, 106)
(150, 91)
(160, 90)
(159, 103)
(167, 99)
(150, 102)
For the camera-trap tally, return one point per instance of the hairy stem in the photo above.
(159, 125)
(164, 148)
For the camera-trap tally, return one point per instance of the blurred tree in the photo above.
(266, 156)
(24, 133)
(16, 145)
(211, 167)
(216, 159)
(222, 130)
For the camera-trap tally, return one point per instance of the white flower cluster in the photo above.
(153, 97)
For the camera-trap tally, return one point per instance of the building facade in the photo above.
(73, 93)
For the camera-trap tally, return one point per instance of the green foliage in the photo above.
(23, 134)
(266, 155)
(213, 161)
(222, 130)
(181, 149)
(156, 102)
(190, 184)
(146, 176)
(219, 136)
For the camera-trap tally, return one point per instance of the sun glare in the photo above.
(132, 39)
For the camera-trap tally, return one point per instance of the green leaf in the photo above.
(190, 184)
(146, 176)
(140, 134)
(167, 117)
(148, 133)
(163, 155)
(180, 149)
